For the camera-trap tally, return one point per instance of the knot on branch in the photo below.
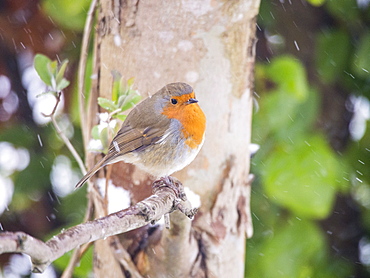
(171, 189)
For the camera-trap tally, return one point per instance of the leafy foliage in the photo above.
(333, 49)
(70, 14)
(295, 248)
(51, 73)
(298, 169)
(124, 97)
(299, 173)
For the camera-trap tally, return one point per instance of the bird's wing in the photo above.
(127, 140)
(130, 139)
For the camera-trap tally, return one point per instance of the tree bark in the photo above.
(210, 45)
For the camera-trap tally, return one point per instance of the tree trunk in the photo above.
(210, 45)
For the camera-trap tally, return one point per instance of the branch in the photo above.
(167, 194)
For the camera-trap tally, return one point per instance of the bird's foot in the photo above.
(172, 183)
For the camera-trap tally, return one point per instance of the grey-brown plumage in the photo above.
(152, 139)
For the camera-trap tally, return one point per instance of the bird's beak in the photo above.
(192, 100)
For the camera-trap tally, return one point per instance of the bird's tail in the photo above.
(90, 173)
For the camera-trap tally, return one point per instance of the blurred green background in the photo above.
(311, 196)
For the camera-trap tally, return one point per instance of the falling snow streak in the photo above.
(39, 138)
(296, 45)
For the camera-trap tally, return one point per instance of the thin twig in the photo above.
(68, 272)
(111, 114)
(58, 98)
(82, 67)
(69, 145)
(63, 136)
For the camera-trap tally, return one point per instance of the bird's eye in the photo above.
(173, 101)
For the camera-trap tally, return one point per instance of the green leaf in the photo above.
(70, 14)
(316, 3)
(45, 93)
(130, 82)
(287, 106)
(121, 100)
(303, 176)
(60, 74)
(120, 117)
(264, 16)
(277, 112)
(283, 116)
(95, 133)
(293, 251)
(289, 75)
(62, 84)
(107, 104)
(346, 11)
(103, 136)
(52, 67)
(41, 63)
(300, 121)
(130, 101)
(293, 247)
(116, 85)
(332, 52)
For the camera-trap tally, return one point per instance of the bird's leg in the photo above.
(180, 201)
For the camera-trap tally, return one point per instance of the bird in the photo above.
(161, 135)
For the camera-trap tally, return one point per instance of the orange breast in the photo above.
(191, 117)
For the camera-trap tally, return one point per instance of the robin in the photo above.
(161, 135)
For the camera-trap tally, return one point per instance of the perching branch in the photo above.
(167, 195)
